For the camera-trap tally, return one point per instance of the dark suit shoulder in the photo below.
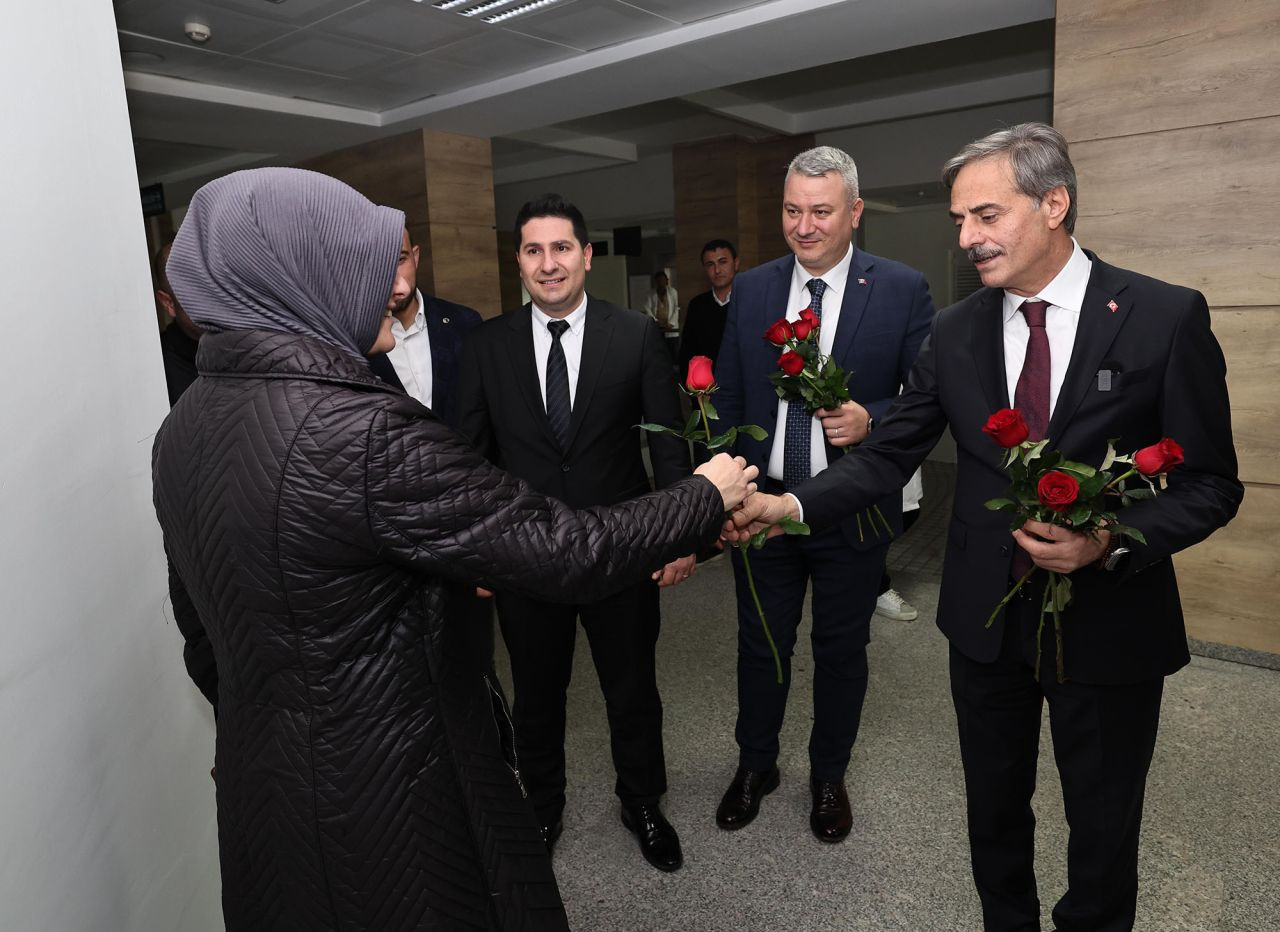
(882, 266)
(1113, 277)
(459, 314)
(756, 277)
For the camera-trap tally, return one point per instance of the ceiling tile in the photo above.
(588, 26)
(399, 24)
(231, 33)
(266, 79)
(338, 57)
(151, 56)
(690, 11)
(426, 76)
(293, 12)
(499, 53)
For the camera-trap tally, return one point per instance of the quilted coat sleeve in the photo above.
(439, 507)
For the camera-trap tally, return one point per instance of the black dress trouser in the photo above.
(1103, 739)
(622, 631)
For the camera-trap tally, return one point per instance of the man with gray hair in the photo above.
(1088, 353)
(874, 314)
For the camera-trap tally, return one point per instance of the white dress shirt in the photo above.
(1065, 297)
(836, 280)
(411, 356)
(570, 342)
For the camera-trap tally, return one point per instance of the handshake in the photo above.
(750, 511)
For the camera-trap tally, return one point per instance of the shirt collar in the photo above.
(834, 278)
(574, 319)
(726, 297)
(1065, 291)
(419, 321)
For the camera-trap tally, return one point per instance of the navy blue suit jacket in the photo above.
(884, 317)
(447, 324)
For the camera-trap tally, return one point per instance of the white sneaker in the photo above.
(891, 605)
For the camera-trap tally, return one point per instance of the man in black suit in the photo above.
(1128, 357)
(704, 317)
(428, 332)
(874, 315)
(552, 392)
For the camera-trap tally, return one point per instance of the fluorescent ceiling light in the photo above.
(446, 4)
(519, 10)
(485, 7)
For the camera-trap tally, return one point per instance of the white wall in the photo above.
(106, 807)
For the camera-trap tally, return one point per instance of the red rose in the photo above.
(1007, 427)
(700, 377)
(1057, 490)
(802, 328)
(809, 317)
(1158, 458)
(791, 363)
(779, 332)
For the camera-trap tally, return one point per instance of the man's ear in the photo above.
(165, 300)
(1056, 204)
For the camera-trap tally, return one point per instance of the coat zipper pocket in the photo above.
(506, 733)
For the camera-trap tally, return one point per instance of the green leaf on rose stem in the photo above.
(1000, 504)
(1111, 454)
(691, 426)
(1082, 470)
(758, 539)
(1034, 451)
(712, 414)
(1130, 532)
(792, 526)
(1093, 485)
(1138, 495)
(661, 429)
(1019, 519)
(1062, 592)
(1079, 515)
(754, 431)
(720, 441)
(1051, 460)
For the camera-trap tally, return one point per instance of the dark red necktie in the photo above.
(1031, 396)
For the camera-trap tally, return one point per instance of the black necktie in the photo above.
(797, 435)
(558, 406)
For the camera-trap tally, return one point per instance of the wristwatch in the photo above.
(1116, 555)
(871, 422)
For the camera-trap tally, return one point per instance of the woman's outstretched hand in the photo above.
(731, 476)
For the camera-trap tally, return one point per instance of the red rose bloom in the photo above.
(791, 363)
(1158, 458)
(809, 317)
(779, 332)
(802, 329)
(1057, 490)
(1007, 427)
(700, 377)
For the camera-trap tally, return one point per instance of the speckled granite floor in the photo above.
(1211, 836)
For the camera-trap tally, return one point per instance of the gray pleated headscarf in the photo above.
(287, 250)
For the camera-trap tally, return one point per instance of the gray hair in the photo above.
(817, 162)
(1038, 155)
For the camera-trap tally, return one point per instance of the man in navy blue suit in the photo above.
(874, 314)
(428, 334)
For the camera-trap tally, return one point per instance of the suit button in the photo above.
(1004, 551)
(564, 467)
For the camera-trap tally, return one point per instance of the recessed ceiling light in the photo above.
(447, 4)
(484, 7)
(519, 10)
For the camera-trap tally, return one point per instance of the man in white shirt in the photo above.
(428, 332)
(874, 314)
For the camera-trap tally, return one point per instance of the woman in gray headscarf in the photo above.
(321, 524)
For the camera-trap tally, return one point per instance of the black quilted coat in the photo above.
(317, 519)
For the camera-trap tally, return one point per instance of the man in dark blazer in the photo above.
(428, 332)
(704, 318)
(874, 315)
(1131, 358)
(552, 392)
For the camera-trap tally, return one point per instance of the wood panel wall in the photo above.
(444, 185)
(1172, 109)
(730, 188)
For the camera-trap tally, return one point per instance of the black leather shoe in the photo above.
(831, 818)
(741, 801)
(550, 833)
(659, 842)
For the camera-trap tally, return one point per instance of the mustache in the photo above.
(978, 253)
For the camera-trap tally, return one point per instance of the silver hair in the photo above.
(817, 162)
(1038, 155)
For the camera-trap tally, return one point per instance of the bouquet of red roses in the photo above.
(1045, 486)
(699, 384)
(807, 376)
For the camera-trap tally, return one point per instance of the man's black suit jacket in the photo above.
(624, 379)
(1168, 379)
(447, 324)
